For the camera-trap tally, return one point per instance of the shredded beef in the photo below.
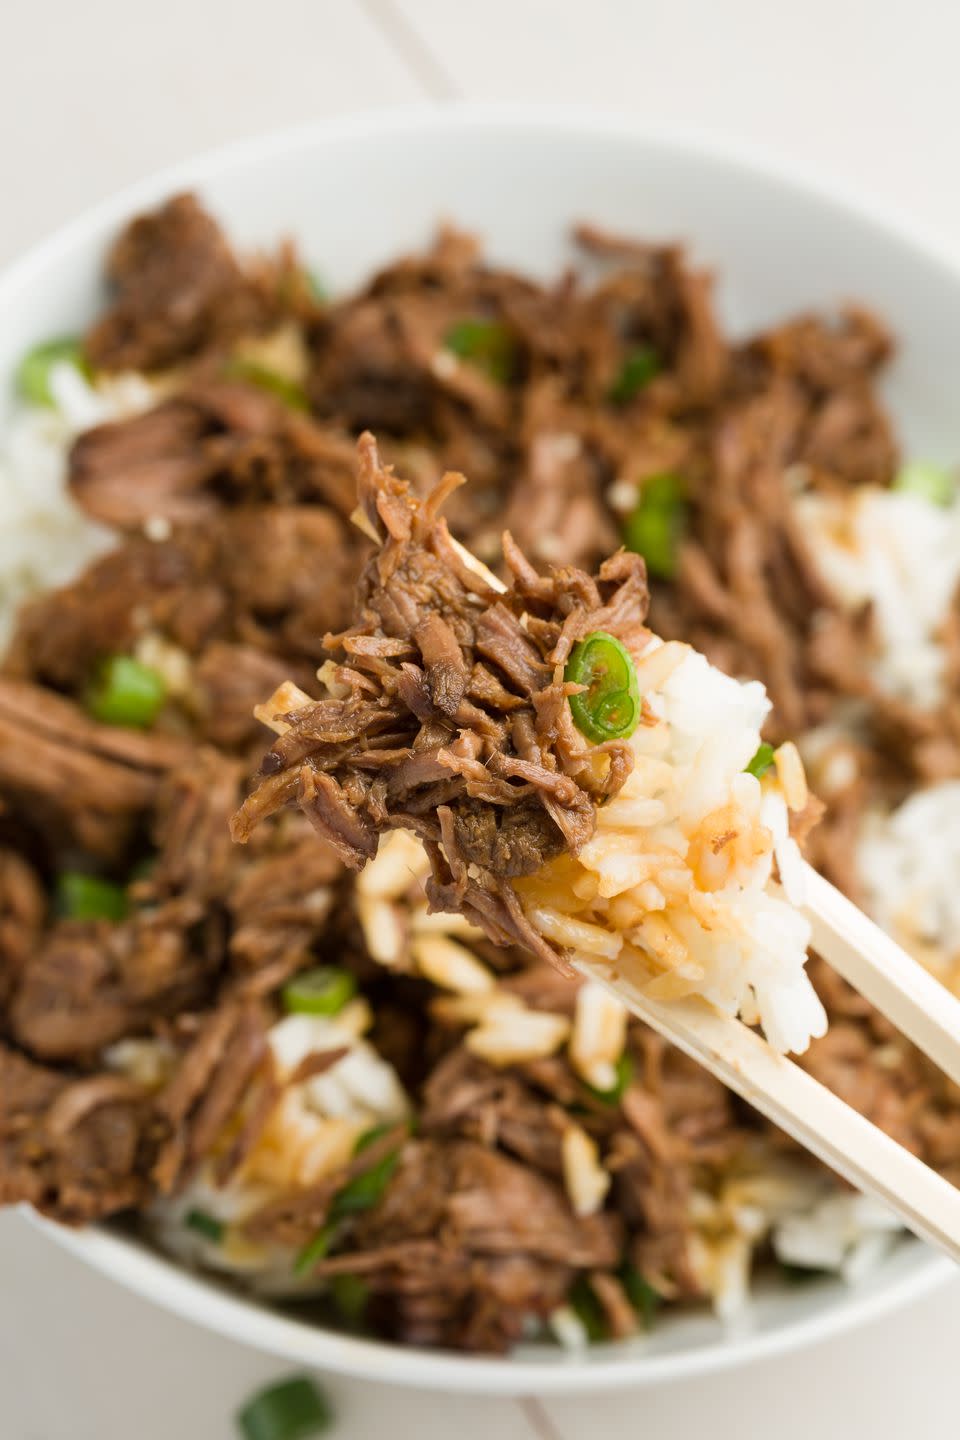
(442, 712)
(75, 1148)
(466, 1243)
(178, 290)
(75, 780)
(500, 790)
(217, 441)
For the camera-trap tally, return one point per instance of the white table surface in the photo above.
(96, 92)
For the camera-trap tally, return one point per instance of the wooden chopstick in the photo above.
(910, 997)
(796, 1102)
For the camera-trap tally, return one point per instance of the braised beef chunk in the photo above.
(76, 781)
(75, 1148)
(497, 788)
(136, 1053)
(178, 290)
(216, 441)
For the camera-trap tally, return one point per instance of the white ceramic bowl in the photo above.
(356, 193)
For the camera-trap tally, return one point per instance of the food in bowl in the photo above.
(373, 1139)
(582, 789)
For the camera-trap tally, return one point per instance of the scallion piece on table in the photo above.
(929, 482)
(294, 1409)
(608, 708)
(637, 370)
(285, 389)
(34, 370)
(124, 692)
(655, 526)
(324, 990)
(488, 344)
(761, 761)
(206, 1225)
(87, 897)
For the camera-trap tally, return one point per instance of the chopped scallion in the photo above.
(624, 1074)
(761, 762)
(290, 1410)
(637, 370)
(365, 1190)
(488, 344)
(588, 1309)
(206, 1225)
(324, 990)
(655, 526)
(609, 706)
(641, 1294)
(317, 286)
(801, 1274)
(350, 1295)
(315, 1250)
(87, 897)
(929, 482)
(34, 370)
(285, 389)
(124, 692)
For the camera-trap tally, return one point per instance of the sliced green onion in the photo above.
(324, 990)
(285, 389)
(624, 1073)
(655, 526)
(366, 1190)
(206, 1225)
(359, 1194)
(641, 1294)
(124, 692)
(609, 707)
(350, 1295)
(369, 1136)
(33, 372)
(488, 344)
(86, 897)
(930, 482)
(317, 286)
(315, 1250)
(801, 1274)
(290, 1410)
(761, 761)
(587, 1308)
(637, 370)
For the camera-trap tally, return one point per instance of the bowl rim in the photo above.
(188, 1294)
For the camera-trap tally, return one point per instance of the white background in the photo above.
(94, 93)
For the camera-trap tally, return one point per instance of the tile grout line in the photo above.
(411, 48)
(537, 1417)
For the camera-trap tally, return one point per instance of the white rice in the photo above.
(45, 539)
(312, 1132)
(910, 865)
(676, 888)
(900, 553)
(896, 551)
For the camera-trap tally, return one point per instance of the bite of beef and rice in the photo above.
(328, 1082)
